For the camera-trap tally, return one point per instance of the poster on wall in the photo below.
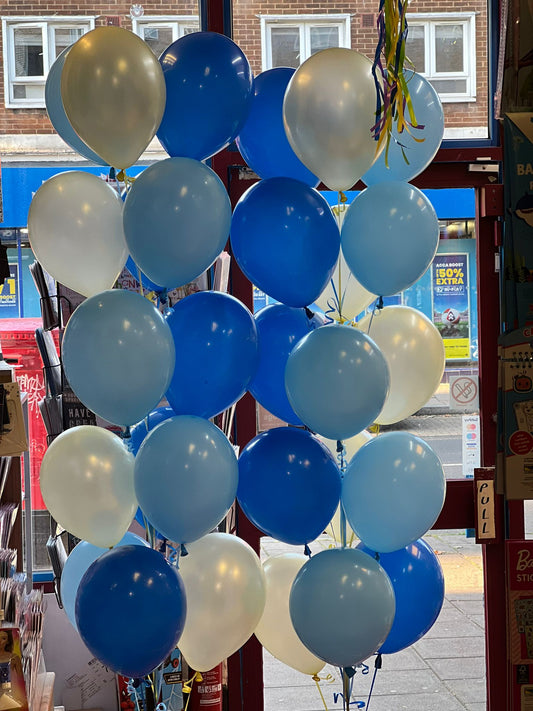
(9, 294)
(451, 306)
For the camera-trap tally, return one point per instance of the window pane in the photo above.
(33, 92)
(449, 48)
(324, 38)
(64, 37)
(157, 38)
(415, 47)
(449, 86)
(28, 52)
(285, 47)
(189, 30)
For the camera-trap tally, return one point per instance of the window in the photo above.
(31, 46)
(442, 48)
(161, 31)
(288, 40)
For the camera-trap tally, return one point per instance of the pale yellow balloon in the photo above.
(351, 446)
(414, 351)
(344, 297)
(328, 113)
(76, 231)
(87, 484)
(113, 93)
(226, 593)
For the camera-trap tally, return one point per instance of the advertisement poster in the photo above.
(451, 308)
(9, 296)
(519, 555)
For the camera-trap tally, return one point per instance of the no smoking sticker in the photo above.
(464, 392)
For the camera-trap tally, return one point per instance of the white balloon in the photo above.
(343, 287)
(226, 593)
(414, 351)
(275, 630)
(328, 113)
(351, 446)
(75, 231)
(87, 484)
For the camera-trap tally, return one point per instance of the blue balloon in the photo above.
(285, 239)
(389, 237)
(118, 355)
(411, 152)
(342, 606)
(393, 491)
(337, 381)
(216, 353)
(139, 431)
(279, 329)
(79, 560)
(57, 115)
(177, 217)
(186, 477)
(262, 141)
(289, 484)
(130, 609)
(418, 583)
(147, 283)
(209, 87)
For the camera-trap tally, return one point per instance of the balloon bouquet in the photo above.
(107, 96)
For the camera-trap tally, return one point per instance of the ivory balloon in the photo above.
(344, 296)
(75, 231)
(87, 484)
(414, 351)
(332, 136)
(351, 446)
(226, 593)
(113, 92)
(275, 630)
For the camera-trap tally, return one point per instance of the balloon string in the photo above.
(316, 679)
(377, 666)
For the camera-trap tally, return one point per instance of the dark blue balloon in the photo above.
(289, 484)
(418, 583)
(279, 328)
(285, 239)
(263, 142)
(130, 609)
(216, 353)
(209, 87)
(147, 283)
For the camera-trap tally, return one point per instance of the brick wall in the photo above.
(247, 33)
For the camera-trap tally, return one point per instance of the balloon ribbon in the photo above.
(393, 100)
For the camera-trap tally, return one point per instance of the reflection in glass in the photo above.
(449, 46)
(415, 47)
(285, 47)
(324, 38)
(28, 52)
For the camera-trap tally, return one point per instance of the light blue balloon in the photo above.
(393, 491)
(57, 115)
(118, 355)
(337, 381)
(411, 153)
(79, 560)
(186, 477)
(389, 237)
(342, 606)
(177, 217)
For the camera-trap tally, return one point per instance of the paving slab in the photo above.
(468, 690)
(458, 669)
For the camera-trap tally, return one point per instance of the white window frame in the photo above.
(48, 27)
(468, 20)
(177, 23)
(304, 24)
